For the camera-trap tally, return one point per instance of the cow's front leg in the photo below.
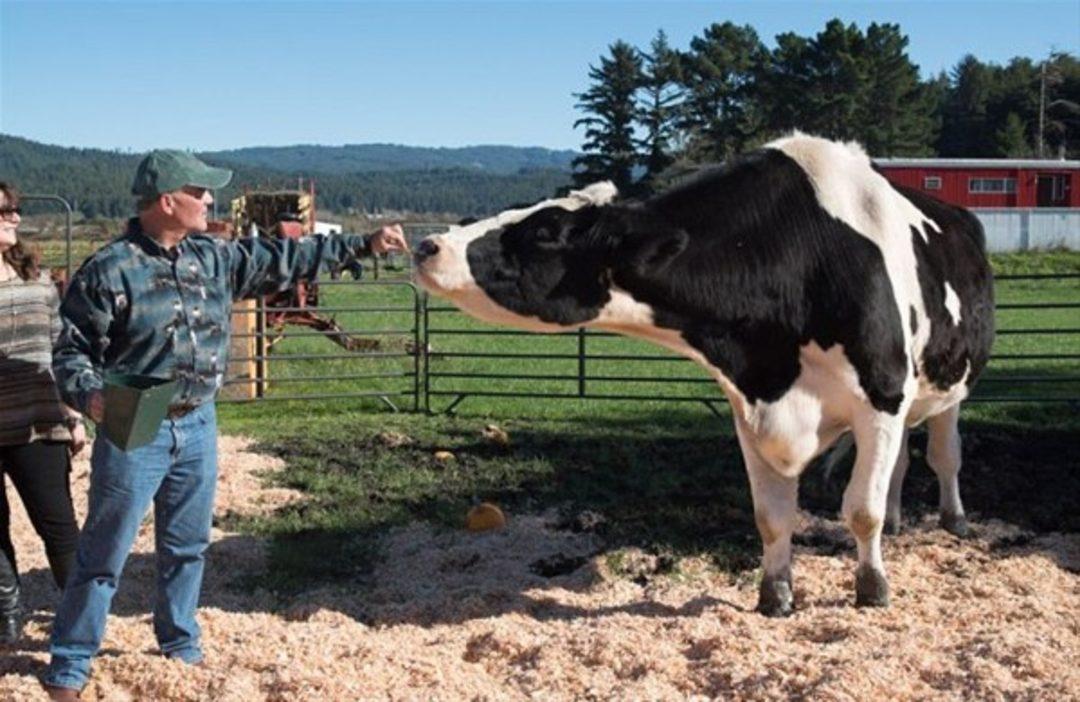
(775, 500)
(878, 437)
(943, 455)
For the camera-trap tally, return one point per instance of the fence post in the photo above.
(419, 346)
(67, 223)
(427, 359)
(1025, 229)
(581, 362)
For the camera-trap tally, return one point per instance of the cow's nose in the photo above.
(425, 250)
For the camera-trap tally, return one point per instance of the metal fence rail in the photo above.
(265, 372)
(432, 373)
(1010, 376)
(417, 360)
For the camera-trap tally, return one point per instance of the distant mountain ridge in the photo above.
(368, 178)
(366, 158)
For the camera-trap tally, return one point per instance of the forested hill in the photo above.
(97, 183)
(362, 158)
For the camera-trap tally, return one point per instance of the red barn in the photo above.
(979, 183)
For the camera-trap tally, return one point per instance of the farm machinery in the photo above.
(290, 214)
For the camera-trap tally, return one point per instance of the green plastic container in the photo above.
(135, 406)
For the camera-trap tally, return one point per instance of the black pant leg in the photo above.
(7, 549)
(39, 471)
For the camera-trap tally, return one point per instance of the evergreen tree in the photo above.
(964, 127)
(659, 103)
(1011, 138)
(1062, 107)
(937, 96)
(1012, 107)
(722, 112)
(896, 115)
(609, 126)
(784, 82)
(838, 80)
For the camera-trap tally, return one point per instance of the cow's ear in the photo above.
(644, 242)
(563, 226)
(654, 253)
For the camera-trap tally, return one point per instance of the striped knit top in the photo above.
(30, 408)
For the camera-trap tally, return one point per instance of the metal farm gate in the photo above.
(427, 355)
(390, 342)
(1036, 357)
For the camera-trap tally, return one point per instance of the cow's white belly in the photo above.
(811, 415)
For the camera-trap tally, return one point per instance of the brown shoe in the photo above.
(62, 694)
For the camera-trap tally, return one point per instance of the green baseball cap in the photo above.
(165, 170)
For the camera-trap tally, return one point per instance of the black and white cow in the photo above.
(820, 297)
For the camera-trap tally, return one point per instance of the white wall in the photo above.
(1015, 229)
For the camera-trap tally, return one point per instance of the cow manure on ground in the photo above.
(559, 564)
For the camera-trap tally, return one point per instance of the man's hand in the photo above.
(390, 238)
(95, 407)
(78, 438)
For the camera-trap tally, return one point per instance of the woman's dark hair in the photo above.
(25, 260)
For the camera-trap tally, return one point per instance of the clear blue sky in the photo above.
(216, 75)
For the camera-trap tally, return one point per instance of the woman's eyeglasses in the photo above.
(10, 212)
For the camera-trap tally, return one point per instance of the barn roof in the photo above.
(972, 163)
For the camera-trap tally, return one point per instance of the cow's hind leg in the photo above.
(943, 455)
(878, 437)
(775, 501)
(893, 511)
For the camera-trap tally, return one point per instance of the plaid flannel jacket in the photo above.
(137, 308)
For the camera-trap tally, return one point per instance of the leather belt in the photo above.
(178, 411)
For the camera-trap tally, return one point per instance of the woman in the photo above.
(38, 434)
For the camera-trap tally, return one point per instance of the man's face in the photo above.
(189, 207)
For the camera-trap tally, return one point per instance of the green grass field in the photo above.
(667, 476)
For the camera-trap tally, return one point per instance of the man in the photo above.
(156, 302)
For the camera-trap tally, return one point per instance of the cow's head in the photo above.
(548, 266)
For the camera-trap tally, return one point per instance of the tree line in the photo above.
(649, 111)
(97, 183)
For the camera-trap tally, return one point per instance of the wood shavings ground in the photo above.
(454, 616)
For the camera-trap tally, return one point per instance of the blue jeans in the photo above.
(178, 471)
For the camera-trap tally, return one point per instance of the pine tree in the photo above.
(964, 126)
(896, 113)
(609, 128)
(658, 106)
(785, 81)
(1062, 122)
(835, 61)
(1011, 140)
(722, 111)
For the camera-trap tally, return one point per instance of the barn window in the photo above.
(992, 185)
(931, 183)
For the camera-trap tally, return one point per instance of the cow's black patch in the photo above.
(956, 256)
(766, 271)
(742, 260)
(532, 268)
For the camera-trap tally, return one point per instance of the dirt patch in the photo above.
(538, 610)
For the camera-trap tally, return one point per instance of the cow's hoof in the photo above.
(871, 588)
(774, 598)
(892, 526)
(955, 524)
